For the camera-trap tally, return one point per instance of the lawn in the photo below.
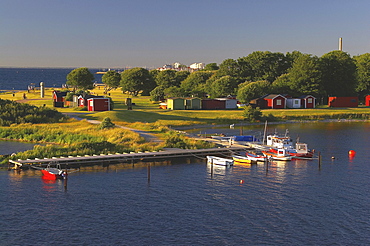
(144, 111)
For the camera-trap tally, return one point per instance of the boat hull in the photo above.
(215, 160)
(243, 160)
(50, 175)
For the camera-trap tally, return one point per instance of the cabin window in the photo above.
(296, 102)
(278, 102)
(309, 100)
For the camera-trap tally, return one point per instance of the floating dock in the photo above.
(79, 161)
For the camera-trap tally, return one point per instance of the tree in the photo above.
(363, 74)
(135, 80)
(173, 91)
(338, 73)
(211, 67)
(223, 86)
(251, 90)
(305, 76)
(167, 78)
(261, 65)
(157, 94)
(111, 79)
(191, 84)
(80, 78)
(252, 114)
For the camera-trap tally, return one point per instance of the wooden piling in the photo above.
(148, 171)
(319, 160)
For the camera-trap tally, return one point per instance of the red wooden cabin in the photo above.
(340, 102)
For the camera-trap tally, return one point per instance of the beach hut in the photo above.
(98, 104)
(59, 98)
(340, 102)
(193, 103)
(293, 103)
(230, 103)
(367, 100)
(175, 103)
(275, 101)
(308, 101)
(213, 104)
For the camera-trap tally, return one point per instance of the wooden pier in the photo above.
(78, 161)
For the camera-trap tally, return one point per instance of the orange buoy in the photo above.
(351, 153)
(241, 181)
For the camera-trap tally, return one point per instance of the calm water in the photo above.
(293, 203)
(21, 78)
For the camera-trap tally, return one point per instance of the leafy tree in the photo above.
(167, 78)
(173, 91)
(192, 83)
(80, 78)
(181, 76)
(363, 74)
(229, 67)
(135, 80)
(111, 79)
(338, 73)
(305, 75)
(282, 85)
(223, 86)
(251, 90)
(252, 114)
(157, 94)
(211, 67)
(261, 65)
(106, 123)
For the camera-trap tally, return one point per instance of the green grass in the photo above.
(144, 111)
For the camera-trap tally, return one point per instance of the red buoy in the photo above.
(351, 153)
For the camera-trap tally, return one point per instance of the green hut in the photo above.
(193, 103)
(175, 103)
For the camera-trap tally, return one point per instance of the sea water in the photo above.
(187, 203)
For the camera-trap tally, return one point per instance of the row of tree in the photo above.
(333, 74)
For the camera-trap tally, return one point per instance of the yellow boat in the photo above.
(238, 159)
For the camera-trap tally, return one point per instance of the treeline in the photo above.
(16, 113)
(333, 74)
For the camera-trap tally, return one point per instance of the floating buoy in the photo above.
(333, 157)
(241, 181)
(351, 153)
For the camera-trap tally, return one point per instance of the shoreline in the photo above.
(269, 123)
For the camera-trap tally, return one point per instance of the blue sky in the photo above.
(151, 33)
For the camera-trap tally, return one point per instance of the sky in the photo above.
(152, 33)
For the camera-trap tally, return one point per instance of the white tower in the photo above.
(340, 44)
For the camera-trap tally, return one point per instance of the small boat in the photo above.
(53, 172)
(219, 161)
(243, 160)
(299, 152)
(255, 157)
(281, 155)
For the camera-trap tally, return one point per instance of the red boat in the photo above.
(300, 152)
(53, 173)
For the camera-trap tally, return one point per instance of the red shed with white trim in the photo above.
(308, 101)
(98, 104)
(275, 101)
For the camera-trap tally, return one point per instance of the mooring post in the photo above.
(149, 172)
(319, 160)
(65, 179)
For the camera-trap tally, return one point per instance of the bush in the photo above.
(106, 123)
(252, 114)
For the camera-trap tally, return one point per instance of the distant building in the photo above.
(197, 66)
(351, 102)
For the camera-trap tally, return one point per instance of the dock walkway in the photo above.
(128, 157)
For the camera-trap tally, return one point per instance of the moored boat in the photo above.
(243, 160)
(219, 161)
(281, 155)
(255, 157)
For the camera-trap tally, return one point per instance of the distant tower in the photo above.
(42, 90)
(340, 44)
